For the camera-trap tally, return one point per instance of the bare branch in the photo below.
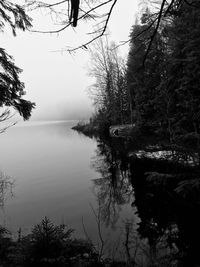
(87, 236)
(155, 30)
(5, 116)
(45, 5)
(164, 9)
(101, 32)
(86, 13)
(98, 221)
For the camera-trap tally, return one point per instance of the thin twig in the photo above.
(81, 17)
(99, 35)
(155, 31)
(87, 236)
(98, 221)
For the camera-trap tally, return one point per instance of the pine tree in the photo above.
(144, 77)
(181, 83)
(11, 88)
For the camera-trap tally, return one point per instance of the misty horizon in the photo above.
(64, 113)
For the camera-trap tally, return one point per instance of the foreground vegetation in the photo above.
(53, 245)
(46, 245)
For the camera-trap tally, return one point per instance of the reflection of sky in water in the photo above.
(51, 167)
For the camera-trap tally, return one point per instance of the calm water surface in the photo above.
(53, 176)
(67, 176)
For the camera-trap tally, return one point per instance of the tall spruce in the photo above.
(183, 71)
(143, 77)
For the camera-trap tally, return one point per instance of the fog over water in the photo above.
(50, 165)
(54, 79)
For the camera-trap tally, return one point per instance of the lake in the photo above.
(54, 174)
(102, 188)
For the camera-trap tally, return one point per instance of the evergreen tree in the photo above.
(183, 70)
(144, 77)
(11, 88)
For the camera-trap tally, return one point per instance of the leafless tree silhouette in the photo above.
(71, 12)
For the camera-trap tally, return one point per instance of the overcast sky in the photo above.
(57, 81)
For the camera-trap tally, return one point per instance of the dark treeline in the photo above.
(164, 92)
(157, 89)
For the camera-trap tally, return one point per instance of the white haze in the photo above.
(58, 81)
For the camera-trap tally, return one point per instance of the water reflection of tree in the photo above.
(168, 221)
(6, 186)
(169, 231)
(113, 188)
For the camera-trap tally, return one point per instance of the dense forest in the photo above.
(156, 88)
(151, 99)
